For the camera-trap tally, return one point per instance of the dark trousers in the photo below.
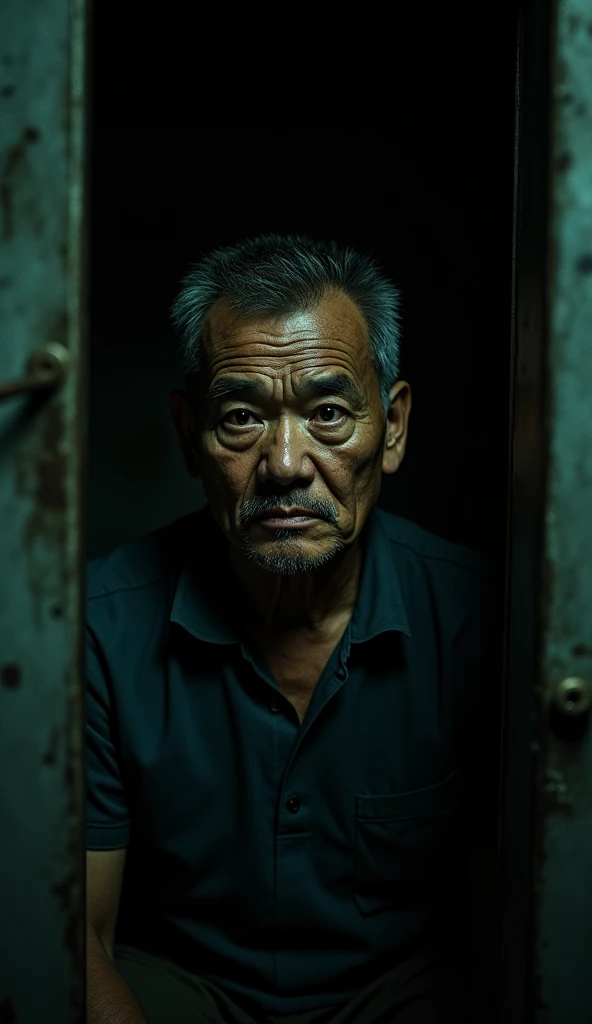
(430, 987)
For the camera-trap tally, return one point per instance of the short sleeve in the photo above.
(107, 809)
(482, 718)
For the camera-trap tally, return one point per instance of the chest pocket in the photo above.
(405, 838)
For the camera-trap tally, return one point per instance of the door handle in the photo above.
(46, 369)
(570, 706)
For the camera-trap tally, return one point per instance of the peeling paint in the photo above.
(563, 822)
(42, 161)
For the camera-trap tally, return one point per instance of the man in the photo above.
(286, 689)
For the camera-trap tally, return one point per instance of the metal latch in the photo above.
(46, 369)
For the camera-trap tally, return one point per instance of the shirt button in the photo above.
(274, 705)
(293, 804)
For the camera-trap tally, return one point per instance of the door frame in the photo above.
(526, 498)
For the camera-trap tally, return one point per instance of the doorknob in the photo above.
(570, 705)
(46, 369)
(573, 697)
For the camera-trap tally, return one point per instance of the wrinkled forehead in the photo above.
(333, 329)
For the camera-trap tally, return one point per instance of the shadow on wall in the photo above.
(137, 481)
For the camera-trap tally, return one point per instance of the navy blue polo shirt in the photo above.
(289, 863)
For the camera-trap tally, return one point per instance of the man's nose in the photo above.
(284, 456)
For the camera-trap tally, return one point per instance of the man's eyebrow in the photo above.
(228, 385)
(338, 384)
(333, 384)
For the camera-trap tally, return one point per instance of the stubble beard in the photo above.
(289, 565)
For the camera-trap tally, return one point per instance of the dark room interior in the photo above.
(208, 130)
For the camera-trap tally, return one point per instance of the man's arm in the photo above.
(109, 999)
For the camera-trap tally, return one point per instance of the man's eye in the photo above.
(241, 418)
(331, 413)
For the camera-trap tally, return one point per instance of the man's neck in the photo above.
(309, 602)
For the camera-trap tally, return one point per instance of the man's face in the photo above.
(288, 417)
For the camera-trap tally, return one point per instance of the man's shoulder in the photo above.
(423, 546)
(142, 561)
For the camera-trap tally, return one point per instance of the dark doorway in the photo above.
(206, 130)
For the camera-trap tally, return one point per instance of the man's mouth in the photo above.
(280, 518)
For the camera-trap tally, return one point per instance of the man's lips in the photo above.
(282, 518)
(291, 513)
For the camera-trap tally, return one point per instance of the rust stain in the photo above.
(41, 476)
(581, 651)
(51, 754)
(573, 22)
(584, 263)
(67, 893)
(13, 170)
(564, 161)
(71, 891)
(51, 465)
(11, 676)
(41, 469)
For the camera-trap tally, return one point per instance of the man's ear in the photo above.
(184, 420)
(397, 422)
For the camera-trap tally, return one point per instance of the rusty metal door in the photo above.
(546, 948)
(42, 59)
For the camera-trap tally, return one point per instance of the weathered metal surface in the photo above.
(563, 850)
(41, 706)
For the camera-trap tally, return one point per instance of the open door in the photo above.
(42, 59)
(546, 793)
(547, 789)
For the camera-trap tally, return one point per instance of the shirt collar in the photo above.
(203, 598)
(203, 602)
(379, 606)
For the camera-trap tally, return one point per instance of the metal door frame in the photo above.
(526, 489)
(42, 446)
(544, 803)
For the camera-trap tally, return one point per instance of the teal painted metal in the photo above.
(564, 765)
(42, 55)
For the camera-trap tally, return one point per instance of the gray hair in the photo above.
(281, 274)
